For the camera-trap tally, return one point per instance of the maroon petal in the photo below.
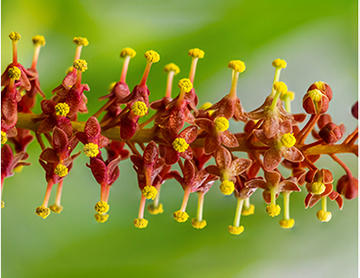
(272, 158)
(211, 144)
(151, 153)
(98, 169)
(212, 169)
(272, 177)
(239, 165)
(229, 139)
(92, 127)
(205, 124)
(189, 134)
(223, 158)
(293, 154)
(256, 183)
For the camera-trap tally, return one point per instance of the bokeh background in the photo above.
(319, 41)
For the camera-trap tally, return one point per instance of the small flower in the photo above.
(347, 185)
(180, 145)
(80, 64)
(139, 108)
(14, 73)
(81, 41)
(185, 85)
(62, 109)
(61, 170)
(127, 51)
(279, 63)
(152, 56)
(196, 53)
(180, 216)
(149, 192)
(91, 150)
(140, 223)
(315, 102)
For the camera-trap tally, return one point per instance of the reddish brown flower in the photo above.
(347, 186)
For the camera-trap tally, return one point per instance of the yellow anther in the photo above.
(198, 224)
(317, 188)
(111, 86)
(315, 95)
(140, 223)
(152, 56)
(273, 210)
(221, 124)
(279, 63)
(287, 95)
(288, 140)
(248, 211)
(154, 210)
(81, 41)
(280, 87)
(61, 170)
(62, 109)
(287, 223)
(127, 51)
(206, 106)
(323, 216)
(180, 145)
(227, 187)
(69, 69)
(149, 192)
(18, 169)
(38, 40)
(14, 73)
(236, 230)
(91, 149)
(14, 36)
(55, 208)
(2, 204)
(320, 85)
(42, 211)
(80, 64)
(101, 218)
(102, 207)
(180, 216)
(139, 108)
(3, 137)
(172, 67)
(237, 65)
(185, 85)
(196, 53)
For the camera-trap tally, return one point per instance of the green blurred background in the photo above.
(319, 41)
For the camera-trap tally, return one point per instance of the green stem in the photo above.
(238, 210)
(286, 196)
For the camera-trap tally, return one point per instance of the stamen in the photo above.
(280, 88)
(126, 53)
(248, 208)
(185, 86)
(151, 57)
(15, 37)
(180, 145)
(199, 222)
(279, 64)
(196, 54)
(287, 222)
(140, 222)
(181, 215)
(57, 207)
(273, 209)
(287, 98)
(172, 70)
(3, 137)
(38, 42)
(323, 215)
(80, 42)
(236, 229)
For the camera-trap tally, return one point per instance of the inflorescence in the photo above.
(196, 138)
